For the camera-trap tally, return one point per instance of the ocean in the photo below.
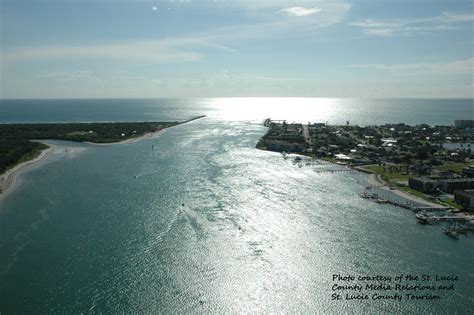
(207, 223)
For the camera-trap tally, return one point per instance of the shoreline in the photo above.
(148, 135)
(376, 181)
(8, 179)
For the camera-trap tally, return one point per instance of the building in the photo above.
(465, 198)
(446, 175)
(464, 123)
(425, 185)
(277, 145)
(468, 171)
(450, 185)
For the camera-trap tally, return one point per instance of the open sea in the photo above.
(206, 223)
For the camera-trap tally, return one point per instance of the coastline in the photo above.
(148, 135)
(375, 180)
(8, 179)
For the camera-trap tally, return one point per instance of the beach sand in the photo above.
(149, 135)
(8, 179)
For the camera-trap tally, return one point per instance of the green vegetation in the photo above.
(286, 134)
(17, 151)
(390, 173)
(419, 194)
(452, 166)
(16, 147)
(92, 132)
(453, 204)
(415, 193)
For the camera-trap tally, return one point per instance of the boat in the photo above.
(366, 195)
(451, 233)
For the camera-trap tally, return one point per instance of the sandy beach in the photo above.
(8, 179)
(148, 135)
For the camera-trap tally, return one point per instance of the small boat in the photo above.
(366, 195)
(451, 233)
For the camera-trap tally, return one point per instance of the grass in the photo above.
(78, 133)
(453, 166)
(419, 194)
(30, 155)
(391, 177)
(414, 192)
(453, 204)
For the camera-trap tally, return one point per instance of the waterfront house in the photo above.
(425, 185)
(468, 171)
(465, 198)
(277, 145)
(450, 185)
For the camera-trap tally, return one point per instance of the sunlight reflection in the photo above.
(296, 109)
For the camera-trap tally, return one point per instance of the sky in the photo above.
(220, 48)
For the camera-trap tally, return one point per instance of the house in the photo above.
(425, 185)
(468, 171)
(446, 174)
(464, 123)
(278, 145)
(465, 198)
(451, 185)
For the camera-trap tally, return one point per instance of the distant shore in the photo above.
(148, 135)
(8, 179)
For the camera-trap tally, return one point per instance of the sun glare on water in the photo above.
(296, 109)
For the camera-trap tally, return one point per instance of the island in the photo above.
(430, 167)
(20, 144)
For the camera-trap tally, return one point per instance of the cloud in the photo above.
(463, 66)
(380, 32)
(68, 76)
(457, 17)
(189, 47)
(446, 21)
(300, 11)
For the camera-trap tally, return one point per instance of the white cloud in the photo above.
(300, 11)
(463, 66)
(457, 17)
(68, 76)
(380, 32)
(414, 26)
(190, 47)
(161, 51)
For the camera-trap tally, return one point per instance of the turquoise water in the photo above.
(104, 229)
(332, 110)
